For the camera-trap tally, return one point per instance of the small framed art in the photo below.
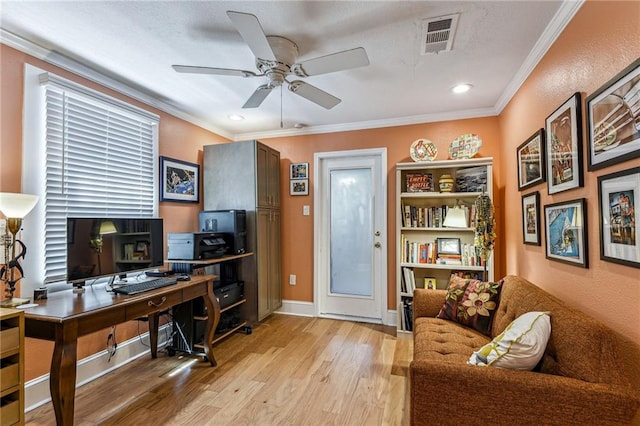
(430, 283)
(299, 187)
(531, 218)
(566, 232)
(613, 119)
(564, 146)
(448, 246)
(618, 195)
(531, 166)
(299, 171)
(179, 181)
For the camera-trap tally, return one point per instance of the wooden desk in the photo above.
(65, 316)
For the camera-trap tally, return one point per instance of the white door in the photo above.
(350, 235)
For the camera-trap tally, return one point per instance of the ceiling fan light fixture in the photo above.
(235, 117)
(461, 88)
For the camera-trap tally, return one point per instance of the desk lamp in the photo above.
(455, 218)
(101, 228)
(14, 207)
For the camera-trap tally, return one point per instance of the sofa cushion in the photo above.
(520, 346)
(445, 341)
(471, 302)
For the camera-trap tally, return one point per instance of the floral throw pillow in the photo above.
(471, 302)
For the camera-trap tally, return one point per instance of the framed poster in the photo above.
(613, 119)
(564, 146)
(299, 187)
(566, 232)
(179, 181)
(531, 218)
(619, 196)
(531, 166)
(299, 171)
(448, 246)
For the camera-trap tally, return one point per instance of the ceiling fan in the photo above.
(276, 59)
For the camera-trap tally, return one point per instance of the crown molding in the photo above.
(560, 20)
(88, 73)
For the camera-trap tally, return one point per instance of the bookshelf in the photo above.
(427, 251)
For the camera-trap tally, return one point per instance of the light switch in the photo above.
(305, 210)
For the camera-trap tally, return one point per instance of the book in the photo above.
(419, 182)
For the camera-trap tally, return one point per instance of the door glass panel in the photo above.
(351, 240)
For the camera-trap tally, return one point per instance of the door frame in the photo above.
(318, 247)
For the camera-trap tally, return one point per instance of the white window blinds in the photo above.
(100, 161)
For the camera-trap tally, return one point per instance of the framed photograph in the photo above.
(566, 232)
(531, 167)
(430, 283)
(448, 246)
(179, 181)
(531, 218)
(564, 146)
(613, 119)
(619, 196)
(299, 171)
(299, 187)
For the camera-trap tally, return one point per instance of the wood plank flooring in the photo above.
(290, 371)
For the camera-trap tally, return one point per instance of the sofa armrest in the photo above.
(513, 397)
(427, 303)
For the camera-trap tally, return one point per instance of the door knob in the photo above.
(377, 245)
(377, 234)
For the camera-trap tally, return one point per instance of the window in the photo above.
(98, 158)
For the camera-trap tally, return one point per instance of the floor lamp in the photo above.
(14, 207)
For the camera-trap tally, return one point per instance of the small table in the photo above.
(66, 315)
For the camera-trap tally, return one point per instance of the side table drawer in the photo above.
(10, 338)
(9, 374)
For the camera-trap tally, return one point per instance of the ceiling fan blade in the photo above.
(314, 94)
(216, 71)
(339, 61)
(258, 96)
(251, 31)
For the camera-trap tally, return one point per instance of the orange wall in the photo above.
(601, 40)
(177, 138)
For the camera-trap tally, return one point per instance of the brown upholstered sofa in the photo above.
(580, 379)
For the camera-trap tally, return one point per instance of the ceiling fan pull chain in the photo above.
(281, 126)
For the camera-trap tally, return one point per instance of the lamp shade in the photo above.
(455, 218)
(107, 227)
(14, 205)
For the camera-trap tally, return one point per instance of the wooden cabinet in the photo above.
(246, 176)
(11, 366)
(428, 252)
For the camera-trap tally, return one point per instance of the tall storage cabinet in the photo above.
(426, 249)
(246, 175)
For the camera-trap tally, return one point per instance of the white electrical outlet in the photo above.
(305, 210)
(292, 279)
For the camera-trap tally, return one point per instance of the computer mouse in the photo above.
(183, 278)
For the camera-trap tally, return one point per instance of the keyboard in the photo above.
(142, 286)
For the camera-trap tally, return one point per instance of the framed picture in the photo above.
(566, 232)
(448, 246)
(299, 171)
(299, 187)
(564, 146)
(613, 119)
(619, 196)
(430, 283)
(179, 181)
(531, 167)
(531, 218)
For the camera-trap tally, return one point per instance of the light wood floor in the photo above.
(290, 371)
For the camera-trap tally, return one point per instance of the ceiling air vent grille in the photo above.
(437, 34)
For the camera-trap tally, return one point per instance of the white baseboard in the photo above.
(37, 390)
(295, 307)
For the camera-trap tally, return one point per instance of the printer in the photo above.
(199, 245)
(233, 222)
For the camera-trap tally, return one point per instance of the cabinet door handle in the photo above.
(377, 245)
(157, 305)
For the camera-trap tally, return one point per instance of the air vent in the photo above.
(437, 34)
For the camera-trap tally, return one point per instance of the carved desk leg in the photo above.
(153, 333)
(63, 372)
(213, 318)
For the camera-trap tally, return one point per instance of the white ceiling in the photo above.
(133, 44)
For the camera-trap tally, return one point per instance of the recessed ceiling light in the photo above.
(461, 88)
(235, 117)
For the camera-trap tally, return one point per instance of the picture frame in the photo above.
(566, 232)
(299, 171)
(531, 218)
(299, 187)
(430, 283)
(448, 246)
(563, 146)
(613, 119)
(531, 161)
(619, 201)
(179, 181)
